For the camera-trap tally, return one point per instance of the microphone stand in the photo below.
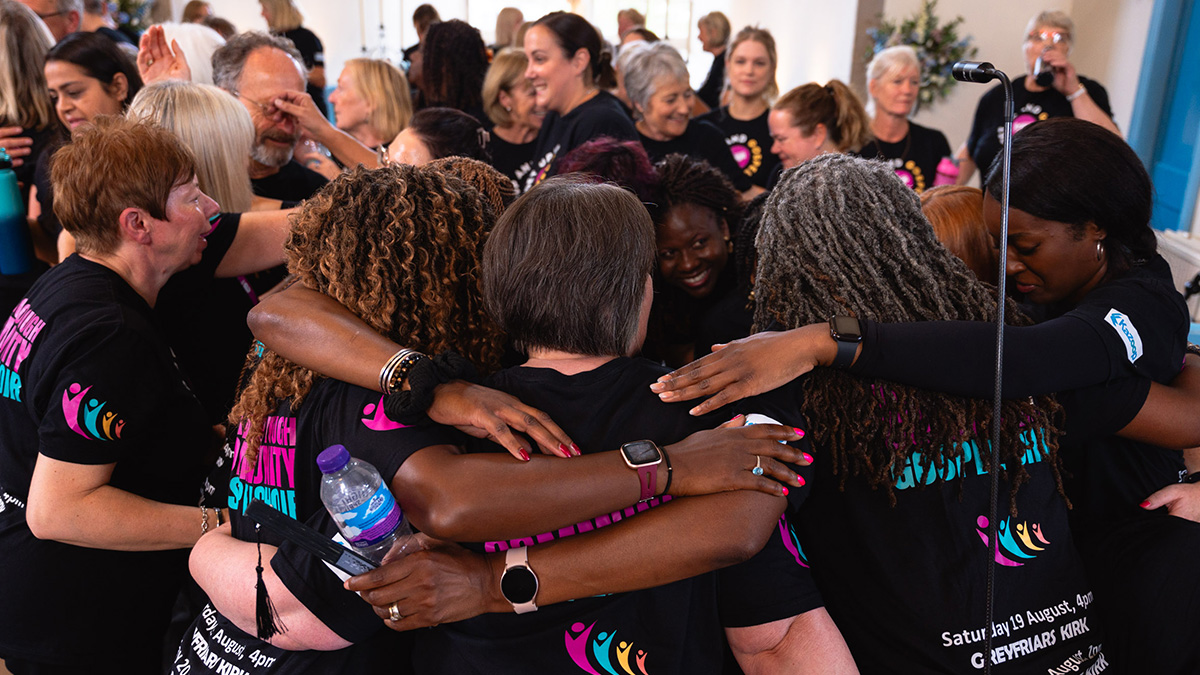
(968, 71)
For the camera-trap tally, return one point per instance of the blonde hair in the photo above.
(763, 37)
(284, 15)
(385, 89)
(833, 105)
(893, 58)
(717, 24)
(214, 126)
(24, 97)
(506, 72)
(506, 26)
(1054, 19)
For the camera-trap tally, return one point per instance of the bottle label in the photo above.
(371, 522)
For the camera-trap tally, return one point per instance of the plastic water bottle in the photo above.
(16, 251)
(361, 504)
(947, 172)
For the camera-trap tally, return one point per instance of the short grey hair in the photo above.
(893, 58)
(1054, 19)
(647, 66)
(228, 61)
(69, 6)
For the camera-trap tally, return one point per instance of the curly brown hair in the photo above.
(842, 236)
(400, 247)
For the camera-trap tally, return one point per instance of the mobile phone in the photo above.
(309, 539)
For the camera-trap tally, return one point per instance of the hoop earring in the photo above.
(1099, 249)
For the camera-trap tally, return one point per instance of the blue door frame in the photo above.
(1166, 115)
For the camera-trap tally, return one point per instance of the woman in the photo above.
(455, 63)
(507, 22)
(284, 18)
(1080, 245)
(656, 81)
(91, 395)
(434, 133)
(913, 151)
(956, 214)
(196, 11)
(751, 61)
(88, 76)
(695, 212)
(508, 100)
(812, 120)
(713, 32)
(371, 101)
(204, 310)
(566, 64)
(1046, 48)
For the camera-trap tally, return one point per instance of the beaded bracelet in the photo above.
(1077, 93)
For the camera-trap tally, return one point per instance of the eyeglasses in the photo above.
(1048, 37)
(268, 110)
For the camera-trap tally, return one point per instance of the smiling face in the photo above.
(750, 71)
(180, 239)
(79, 97)
(557, 77)
(1048, 261)
(665, 116)
(523, 105)
(692, 249)
(350, 109)
(791, 145)
(895, 91)
(269, 72)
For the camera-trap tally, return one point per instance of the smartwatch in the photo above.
(644, 457)
(518, 583)
(847, 332)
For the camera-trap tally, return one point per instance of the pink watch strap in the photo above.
(648, 478)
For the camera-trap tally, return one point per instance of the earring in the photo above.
(507, 108)
(728, 246)
(1099, 249)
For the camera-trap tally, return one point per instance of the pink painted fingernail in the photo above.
(1145, 504)
(578, 452)
(807, 457)
(799, 431)
(801, 480)
(785, 490)
(524, 455)
(736, 416)
(563, 449)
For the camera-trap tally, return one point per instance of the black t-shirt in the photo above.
(674, 628)
(47, 220)
(702, 140)
(987, 132)
(86, 377)
(286, 476)
(914, 158)
(512, 159)
(600, 115)
(292, 183)
(710, 91)
(750, 142)
(313, 53)
(204, 319)
(906, 584)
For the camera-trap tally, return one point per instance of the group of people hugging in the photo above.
(648, 411)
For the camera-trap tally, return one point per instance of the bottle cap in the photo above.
(333, 458)
(5, 160)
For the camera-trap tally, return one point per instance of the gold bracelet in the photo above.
(203, 519)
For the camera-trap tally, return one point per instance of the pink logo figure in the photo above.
(379, 421)
(92, 424)
(1011, 551)
(741, 154)
(601, 649)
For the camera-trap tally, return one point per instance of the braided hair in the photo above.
(401, 247)
(687, 180)
(843, 236)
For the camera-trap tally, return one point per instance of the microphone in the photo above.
(973, 71)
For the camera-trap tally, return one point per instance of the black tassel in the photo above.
(265, 616)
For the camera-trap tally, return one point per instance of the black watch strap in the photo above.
(847, 332)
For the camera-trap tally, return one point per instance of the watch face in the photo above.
(847, 328)
(519, 585)
(638, 453)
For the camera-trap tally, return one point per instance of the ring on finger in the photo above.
(394, 612)
(757, 470)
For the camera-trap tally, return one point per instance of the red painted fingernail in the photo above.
(736, 416)
(524, 455)
(784, 490)
(808, 458)
(578, 452)
(801, 479)
(1145, 504)
(563, 449)
(799, 431)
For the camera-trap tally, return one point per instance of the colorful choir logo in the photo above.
(377, 420)
(1013, 550)
(90, 420)
(602, 652)
(791, 542)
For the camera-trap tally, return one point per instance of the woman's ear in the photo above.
(581, 60)
(119, 87)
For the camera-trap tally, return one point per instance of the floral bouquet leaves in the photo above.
(938, 47)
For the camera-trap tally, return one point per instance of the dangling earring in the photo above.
(1099, 249)
(728, 246)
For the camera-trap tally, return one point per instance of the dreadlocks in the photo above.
(687, 180)
(843, 236)
(401, 248)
